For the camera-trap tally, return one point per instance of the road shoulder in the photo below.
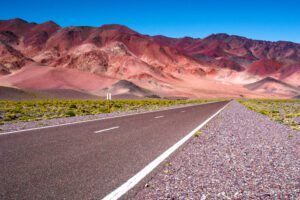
(240, 154)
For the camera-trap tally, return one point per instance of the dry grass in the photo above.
(283, 111)
(14, 111)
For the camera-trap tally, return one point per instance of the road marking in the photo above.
(129, 184)
(183, 111)
(107, 129)
(157, 117)
(93, 120)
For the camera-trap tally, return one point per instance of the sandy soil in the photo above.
(39, 77)
(42, 78)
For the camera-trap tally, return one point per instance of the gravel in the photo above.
(241, 154)
(297, 120)
(49, 122)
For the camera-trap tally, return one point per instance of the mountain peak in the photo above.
(16, 20)
(121, 28)
(51, 23)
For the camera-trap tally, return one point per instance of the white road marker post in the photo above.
(108, 98)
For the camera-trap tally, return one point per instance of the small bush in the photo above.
(73, 106)
(290, 136)
(70, 113)
(10, 117)
(198, 133)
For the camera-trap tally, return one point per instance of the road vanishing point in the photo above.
(94, 159)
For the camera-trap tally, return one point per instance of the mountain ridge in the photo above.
(120, 53)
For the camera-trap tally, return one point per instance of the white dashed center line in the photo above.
(157, 117)
(183, 111)
(107, 129)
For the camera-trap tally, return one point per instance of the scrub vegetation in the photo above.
(14, 111)
(283, 111)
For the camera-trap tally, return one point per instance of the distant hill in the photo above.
(7, 93)
(297, 97)
(126, 89)
(271, 85)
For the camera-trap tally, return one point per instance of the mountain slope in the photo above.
(271, 85)
(67, 57)
(9, 93)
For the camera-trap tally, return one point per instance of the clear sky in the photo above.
(258, 19)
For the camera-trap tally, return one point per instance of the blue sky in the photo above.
(257, 19)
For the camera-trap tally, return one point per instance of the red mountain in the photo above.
(264, 67)
(218, 65)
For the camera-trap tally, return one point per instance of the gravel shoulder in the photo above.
(50, 122)
(240, 154)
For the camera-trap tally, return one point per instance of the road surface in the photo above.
(89, 160)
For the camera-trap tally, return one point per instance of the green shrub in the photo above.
(73, 106)
(70, 113)
(10, 117)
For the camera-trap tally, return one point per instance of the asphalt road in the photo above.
(89, 160)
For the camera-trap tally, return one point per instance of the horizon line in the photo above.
(152, 35)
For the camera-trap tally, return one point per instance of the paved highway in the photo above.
(89, 160)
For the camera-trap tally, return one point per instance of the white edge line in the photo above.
(129, 184)
(92, 120)
(157, 117)
(107, 129)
